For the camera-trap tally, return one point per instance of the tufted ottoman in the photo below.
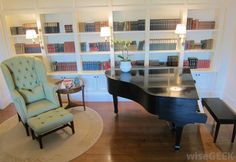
(49, 122)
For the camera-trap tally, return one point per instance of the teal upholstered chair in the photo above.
(30, 90)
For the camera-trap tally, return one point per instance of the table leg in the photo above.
(234, 133)
(59, 97)
(216, 131)
(83, 98)
(115, 102)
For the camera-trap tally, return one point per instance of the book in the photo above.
(69, 47)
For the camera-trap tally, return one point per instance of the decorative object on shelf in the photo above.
(192, 62)
(31, 34)
(125, 63)
(105, 32)
(181, 31)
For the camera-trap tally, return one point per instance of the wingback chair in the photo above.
(30, 90)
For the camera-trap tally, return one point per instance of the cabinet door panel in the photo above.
(102, 83)
(90, 82)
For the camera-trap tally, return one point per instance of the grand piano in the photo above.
(168, 92)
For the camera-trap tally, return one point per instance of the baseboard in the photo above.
(5, 101)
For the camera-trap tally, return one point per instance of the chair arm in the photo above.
(20, 105)
(50, 92)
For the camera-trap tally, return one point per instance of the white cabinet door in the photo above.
(204, 83)
(101, 83)
(90, 82)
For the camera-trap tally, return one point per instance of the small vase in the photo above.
(125, 66)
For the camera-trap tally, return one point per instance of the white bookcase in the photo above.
(76, 11)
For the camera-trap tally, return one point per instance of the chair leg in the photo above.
(83, 98)
(19, 119)
(216, 132)
(40, 142)
(32, 133)
(72, 127)
(234, 133)
(26, 128)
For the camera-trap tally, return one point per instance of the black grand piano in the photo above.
(167, 92)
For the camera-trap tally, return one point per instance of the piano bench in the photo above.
(221, 113)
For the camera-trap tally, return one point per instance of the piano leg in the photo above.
(115, 102)
(178, 131)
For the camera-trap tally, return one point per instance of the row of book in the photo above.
(172, 61)
(97, 46)
(204, 44)
(129, 25)
(164, 24)
(132, 47)
(193, 24)
(64, 66)
(51, 27)
(21, 30)
(96, 65)
(92, 27)
(199, 64)
(163, 44)
(68, 28)
(22, 48)
(61, 47)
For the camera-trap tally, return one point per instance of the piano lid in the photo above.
(166, 82)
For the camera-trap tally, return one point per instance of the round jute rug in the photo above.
(60, 146)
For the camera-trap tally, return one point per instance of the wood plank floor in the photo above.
(136, 136)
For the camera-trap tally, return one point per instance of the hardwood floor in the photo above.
(136, 136)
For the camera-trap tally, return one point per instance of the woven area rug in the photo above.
(60, 146)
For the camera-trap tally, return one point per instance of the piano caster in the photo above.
(177, 147)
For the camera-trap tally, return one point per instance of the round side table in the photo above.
(68, 91)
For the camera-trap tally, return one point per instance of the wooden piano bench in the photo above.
(221, 113)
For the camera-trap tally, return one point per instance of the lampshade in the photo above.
(105, 31)
(180, 29)
(31, 34)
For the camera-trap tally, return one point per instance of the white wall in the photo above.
(226, 82)
(5, 98)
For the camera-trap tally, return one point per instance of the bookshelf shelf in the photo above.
(130, 32)
(64, 73)
(130, 52)
(96, 53)
(58, 34)
(202, 30)
(89, 72)
(164, 52)
(31, 54)
(203, 70)
(88, 33)
(162, 31)
(200, 51)
(61, 54)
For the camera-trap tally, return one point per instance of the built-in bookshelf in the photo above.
(94, 51)
(71, 41)
(59, 41)
(18, 24)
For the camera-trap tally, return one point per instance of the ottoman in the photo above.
(49, 122)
